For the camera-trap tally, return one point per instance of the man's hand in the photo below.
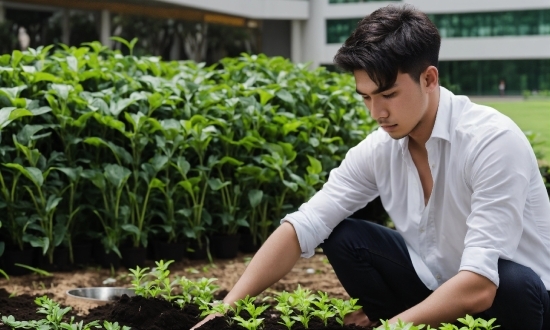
(206, 319)
(358, 318)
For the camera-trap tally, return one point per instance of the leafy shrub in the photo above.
(125, 146)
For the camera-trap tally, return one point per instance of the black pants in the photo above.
(373, 265)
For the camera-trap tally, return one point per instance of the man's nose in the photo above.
(377, 110)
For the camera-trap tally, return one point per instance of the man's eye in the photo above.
(366, 97)
(389, 96)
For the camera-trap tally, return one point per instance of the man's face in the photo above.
(400, 110)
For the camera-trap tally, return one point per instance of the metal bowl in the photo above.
(99, 295)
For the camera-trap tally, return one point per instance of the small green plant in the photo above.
(53, 320)
(247, 304)
(138, 280)
(204, 289)
(218, 307)
(301, 301)
(324, 310)
(344, 307)
(400, 325)
(286, 312)
(114, 326)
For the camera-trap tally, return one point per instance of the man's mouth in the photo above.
(389, 128)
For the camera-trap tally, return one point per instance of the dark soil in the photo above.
(150, 314)
(158, 314)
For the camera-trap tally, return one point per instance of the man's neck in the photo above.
(426, 125)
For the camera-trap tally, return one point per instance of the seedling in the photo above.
(302, 303)
(285, 311)
(344, 307)
(114, 326)
(323, 311)
(138, 284)
(250, 324)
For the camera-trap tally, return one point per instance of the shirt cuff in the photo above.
(482, 261)
(310, 233)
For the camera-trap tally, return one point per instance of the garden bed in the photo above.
(313, 273)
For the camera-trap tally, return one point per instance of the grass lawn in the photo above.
(531, 116)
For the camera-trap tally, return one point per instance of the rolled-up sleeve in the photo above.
(350, 187)
(498, 171)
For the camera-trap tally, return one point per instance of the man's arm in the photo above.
(275, 259)
(465, 293)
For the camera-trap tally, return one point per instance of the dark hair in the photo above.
(391, 40)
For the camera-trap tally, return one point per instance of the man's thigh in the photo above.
(373, 264)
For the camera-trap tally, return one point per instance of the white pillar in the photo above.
(66, 27)
(105, 31)
(2, 12)
(315, 33)
(296, 41)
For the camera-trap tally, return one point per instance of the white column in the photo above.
(2, 12)
(65, 27)
(296, 41)
(105, 31)
(315, 33)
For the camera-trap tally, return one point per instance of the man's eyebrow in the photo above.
(376, 91)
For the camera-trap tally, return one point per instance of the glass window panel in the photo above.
(482, 77)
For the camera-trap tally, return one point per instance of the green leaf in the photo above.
(5, 59)
(186, 184)
(255, 197)
(230, 160)
(16, 57)
(13, 92)
(116, 174)
(156, 183)
(44, 76)
(286, 96)
(31, 173)
(52, 203)
(183, 165)
(72, 63)
(131, 228)
(72, 173)
(315, 166)
(9, 114)
(62, 90)
(217, 184)
(265, 96)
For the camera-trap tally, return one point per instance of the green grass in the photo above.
(531, 116)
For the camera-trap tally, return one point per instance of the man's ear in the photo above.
(430, 78)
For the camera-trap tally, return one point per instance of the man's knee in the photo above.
(340, 239)
(521, 300)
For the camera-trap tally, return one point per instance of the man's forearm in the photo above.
(274, 260)
(465, 293)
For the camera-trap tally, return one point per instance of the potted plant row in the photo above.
(129, 151)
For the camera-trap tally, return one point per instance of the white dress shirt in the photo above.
(488, 199)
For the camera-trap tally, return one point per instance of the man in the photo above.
(459, 180)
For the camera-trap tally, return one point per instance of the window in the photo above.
(482, 77)
(506, 23)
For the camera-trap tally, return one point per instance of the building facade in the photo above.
(485, 43)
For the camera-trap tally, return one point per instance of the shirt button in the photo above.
(438, 276)
(432, 166)
(421, 230)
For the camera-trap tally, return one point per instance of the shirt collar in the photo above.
(442, 123)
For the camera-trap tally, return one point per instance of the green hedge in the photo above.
(124, 147)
